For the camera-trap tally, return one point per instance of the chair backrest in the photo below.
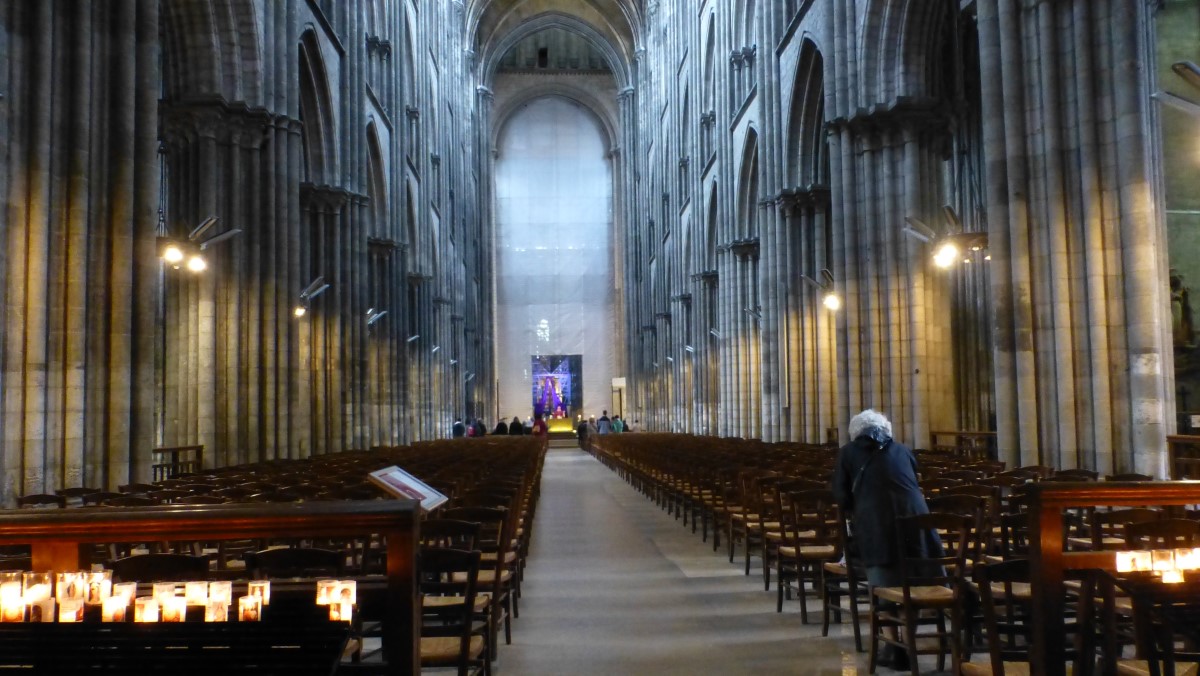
(200, 500)
(76, 492)
(1007, 613)
(1163, 534)
(282, 562)
(131, 501)
(1129, 476)
(924, 561)
(100, 497)
(138, 488)
(813, 519)
(42, 500)
(972, 506)
(448, 579)
(1108, 526)
(450, 534)
(159, 568)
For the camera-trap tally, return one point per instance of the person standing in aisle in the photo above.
(604, 425)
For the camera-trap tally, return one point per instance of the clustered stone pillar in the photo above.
(77, 257)
(1082, 358)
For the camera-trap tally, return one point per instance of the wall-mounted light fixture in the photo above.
(315, 288)
(714, 333)
(829, 298)
(755, 312)
(373, 316)
(1189, 72)
(953, 246)
(689, 349)
(413, 339)
(189, 252)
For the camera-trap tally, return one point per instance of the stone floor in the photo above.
(617, 586)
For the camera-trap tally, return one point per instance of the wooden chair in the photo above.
(495, 578)
(932, 590)
(168, 496)
(131, 501)
(810, 541)
(159, 568)
(138, 488)
(1129, 476)
(1162, 534)
(94, 499)
(294, 562)
(1003, 588)
(448, 579)
(42, 500)
(76, 494)
(200, 500)
(844, 583)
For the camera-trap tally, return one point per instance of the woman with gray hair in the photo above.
(874, 482)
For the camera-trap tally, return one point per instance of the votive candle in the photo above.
(347, 592)
(221, 591)
(341, 611)
(261, 589)
(70, 610)
(145, 609)
(174, 609)
(126, 589)
(114, 609)
(196, 593)
(36, 586)
(326, 589)
(1172, 576)
(216, 610)
(12, 603)
(99, 587)
(249, 609)
(71, 585)
(163, 591)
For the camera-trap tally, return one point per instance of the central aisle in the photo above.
(616, 586)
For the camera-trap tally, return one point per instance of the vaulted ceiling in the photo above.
(616, 21)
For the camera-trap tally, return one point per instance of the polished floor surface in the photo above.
(617, 586)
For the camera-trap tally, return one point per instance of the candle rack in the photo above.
(62, 541)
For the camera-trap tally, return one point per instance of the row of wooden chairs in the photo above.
(775, 502)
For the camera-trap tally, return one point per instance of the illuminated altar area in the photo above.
(556, 392)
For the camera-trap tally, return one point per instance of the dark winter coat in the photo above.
(875, 485)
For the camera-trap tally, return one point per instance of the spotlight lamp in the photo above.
(830, 298)
(315, 288)
(188, 252)
(1189, 72)
(953, 246)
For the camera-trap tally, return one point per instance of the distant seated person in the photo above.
(501, 427)
(515, 427)
(617, 424)
(539, 426)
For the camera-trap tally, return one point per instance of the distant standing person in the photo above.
(618, 425)
(581, 432)
(539, 426)
(603, 425)
(459, 430)
(515, 427)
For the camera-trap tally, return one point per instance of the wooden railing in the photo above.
(1047, 502)
(1183, 451)
(971, 445)
(61, 541)
(175, 460)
